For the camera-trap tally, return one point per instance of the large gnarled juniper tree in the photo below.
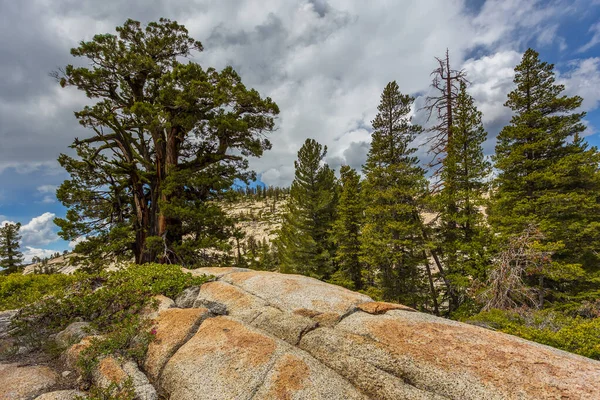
(167, 138)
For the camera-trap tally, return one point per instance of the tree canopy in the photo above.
(305, 244)
(168, 137)
(392, 242)
(548, 176)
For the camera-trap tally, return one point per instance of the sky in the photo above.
(324, 62)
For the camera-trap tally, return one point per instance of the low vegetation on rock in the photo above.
(110, 303)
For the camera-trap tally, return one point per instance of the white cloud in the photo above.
(326, 67)
(28, 167)
(47, 189)
(511, 23)
(31, 252)
(48, 200)
(40, 231)
(594, 40)
(584, 80)
(36, 232)
(325, 62)
(49, 192)
(76, 241)
(491, 80)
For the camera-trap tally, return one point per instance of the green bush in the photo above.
(128, 339)
(114, 391)
(574, 334)
(105, 299)
(18, 290)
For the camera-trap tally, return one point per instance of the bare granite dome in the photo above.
(263, 335)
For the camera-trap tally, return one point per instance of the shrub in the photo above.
(106, 299)
(18, 290)
(128, 339)
(574, 334)
(124, 391)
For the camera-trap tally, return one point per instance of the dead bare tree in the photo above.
(446, 84)
(505, 286)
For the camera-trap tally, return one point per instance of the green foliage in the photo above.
(461, 235)
(304, 243)
(168, 138)
(11, 258)
(346, 230)
(547, 175)
(105, 299)
(18, 290)
(127, 339)
(115, 391)
(575, 334)
(392, 242)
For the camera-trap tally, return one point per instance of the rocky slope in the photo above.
(257, 218)
(262, 335)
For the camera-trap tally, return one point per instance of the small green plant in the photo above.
(115, 391)
(128, 339)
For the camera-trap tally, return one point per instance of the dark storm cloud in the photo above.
(321, 7)
(28, 52)
(356, 154)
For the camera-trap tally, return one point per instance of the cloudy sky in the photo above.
(325, 62)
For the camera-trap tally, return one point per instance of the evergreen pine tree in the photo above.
(347, 229)
(304, 243)
(391, 242)
(462, 232)
(547, 174)
(11, 258)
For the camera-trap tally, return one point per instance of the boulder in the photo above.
(217, 272)
(173, 328)
(71, 355)
(253, 310)
(294, 337)
(5, 320)
(112, 371)
(24, 382)
(448, 359)
(187, 298)
(159, 304)
(379, 307)
(296, 292)
(263, 335)
(72, 334)
(226, 359)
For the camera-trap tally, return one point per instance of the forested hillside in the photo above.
(508, 242)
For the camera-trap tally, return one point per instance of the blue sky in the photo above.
(324, 62)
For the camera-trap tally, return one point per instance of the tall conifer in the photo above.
(347, 228)
(11, 258)
(548, 176)
(304, 243)
(392, 242)
(462, 233)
